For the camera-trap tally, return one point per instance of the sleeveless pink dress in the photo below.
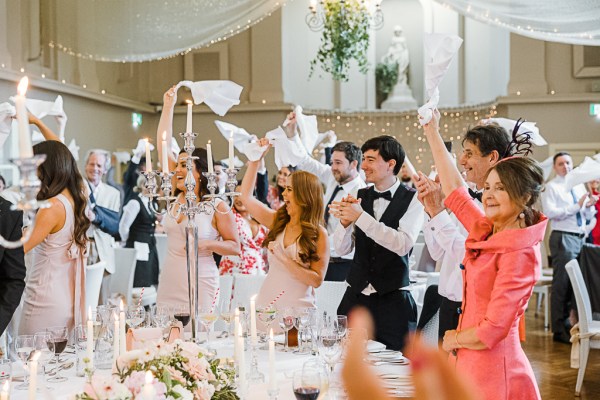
(55, 288)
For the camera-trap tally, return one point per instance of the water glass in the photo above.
(24, 345)
(135, 316)
(342, 326)
(41, 341)
(160, 315)
(80, 334)
(267, 316)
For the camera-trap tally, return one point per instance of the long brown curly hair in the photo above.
(58, 172)
(308, 193)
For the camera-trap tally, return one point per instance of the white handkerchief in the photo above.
(309, 132)
(122, 157)
(142, 251)
(240, 136)
(41, 109)
(597, 157)
(411, 168)
(237, 163)
(219, 96)
(587, 171)
(253, 151)
(287, 151)
(7, 111)
(439, 51)
(525, 127)
(140, 149)
(175, 149)
(74, 149)
(547, 166)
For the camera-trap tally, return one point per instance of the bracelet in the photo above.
(460, 346)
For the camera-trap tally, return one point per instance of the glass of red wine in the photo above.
(307, 384)
(57, 342)
(182, 314)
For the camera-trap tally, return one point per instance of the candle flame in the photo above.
(189, 102)
(22, 88)
(164, 135)
(6, 387)
(253, 297)
(149, 378)
(121, 305)
(36, 355)
(209, 142)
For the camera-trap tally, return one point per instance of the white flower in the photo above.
(183, 392)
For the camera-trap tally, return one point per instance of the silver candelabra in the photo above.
(29, 187)
(190, 209)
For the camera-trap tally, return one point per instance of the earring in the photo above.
(522, 215)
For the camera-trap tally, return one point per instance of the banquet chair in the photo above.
(425, 262)
(93, 281)
(225, 290)
(589, 330)
(244, 287)
(148, 298)
(161, 249)
(121, 282)
(329, 295)
(430, 331)
(415, 255)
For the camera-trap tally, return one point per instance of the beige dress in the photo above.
(55, 289)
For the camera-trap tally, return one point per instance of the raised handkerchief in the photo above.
(588, 170)
(219, 96)
(240, 136)
(43, 108)
(287, 151)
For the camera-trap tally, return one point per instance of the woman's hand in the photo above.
(290, 128)
(170, 97)
(449, 341)
(432, 127)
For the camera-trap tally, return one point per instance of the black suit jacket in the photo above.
(12, 263)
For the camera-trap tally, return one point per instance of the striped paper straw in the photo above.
(140, 299)
(276, 298)
(212, 306)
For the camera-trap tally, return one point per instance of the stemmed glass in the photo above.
(135, 316)
(5, 371)
(329, 343)
(208, 316)
(182, 314)
(342, 326)
(43, 343)
(267, 316)
(59, 336)
(226, 314)
(160, 315)
(286, 322)
(24, 345)
(307, 384)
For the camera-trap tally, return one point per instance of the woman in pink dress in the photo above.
(502, 264)
(55, 288)
(298, 249)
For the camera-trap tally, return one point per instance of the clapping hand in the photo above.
(429, 193)
(347, 210)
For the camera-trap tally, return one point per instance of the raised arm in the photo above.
(46, 132)
(256, 208)
(165, 124)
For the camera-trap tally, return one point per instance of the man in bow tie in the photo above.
(381, 225)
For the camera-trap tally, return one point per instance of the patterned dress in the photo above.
(251, 260)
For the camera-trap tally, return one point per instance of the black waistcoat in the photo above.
(373, 263)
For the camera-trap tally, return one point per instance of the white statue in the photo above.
(401, 97)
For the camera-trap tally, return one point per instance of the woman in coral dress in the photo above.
(501, 265)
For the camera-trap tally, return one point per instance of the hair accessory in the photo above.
(520, 144)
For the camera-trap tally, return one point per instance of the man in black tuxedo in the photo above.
(12, 263)
(382, 225)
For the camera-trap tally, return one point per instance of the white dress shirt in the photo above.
(323, 172)
(130, 213)
(561, 209)
(400, 240)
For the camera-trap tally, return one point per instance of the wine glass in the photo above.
(208, 316)
(342, 326)
(182, 314)
(307, 384)
(286, 322)
(226, 315)
(41, 342)
(267, 316)
(135, 316)
(160, 315)
(329, 344)
(59, 336)
(24, 345)
(80, 342)
(300, 322)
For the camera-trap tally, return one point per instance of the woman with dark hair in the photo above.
(54, 293)
(298, 249)
(216, 230)
(501, 265)
(275, 194)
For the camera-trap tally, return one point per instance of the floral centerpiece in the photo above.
(180, 369)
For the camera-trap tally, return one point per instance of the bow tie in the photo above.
(475, 195)
(387, 195)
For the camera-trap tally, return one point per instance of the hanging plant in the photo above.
(345, 37)
(386, 77)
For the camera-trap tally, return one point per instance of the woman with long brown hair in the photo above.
(297, 245)
(55, 289)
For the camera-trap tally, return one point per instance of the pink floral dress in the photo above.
(251, 260)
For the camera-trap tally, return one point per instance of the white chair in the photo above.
(148, 298)
(415, 256)
(246, 286)
(225, 289)
(93, 281)
(121, 282)
(425, 262)
(431, 329)
(589, 330)
(329, 295)
(543, 288)
(161, 249)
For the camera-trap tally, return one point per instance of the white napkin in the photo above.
(74, 149)
(309, 132)
(527, 126)
(411, 168)
(41, 109)
(175, 149)
(547, 166)
(439, 51)
(241, 137)
(287, 151)
(7, 112)
(220, 96)
(237, 163)
(597, 157)
(253, 151)
(123, 157)
(587, 171)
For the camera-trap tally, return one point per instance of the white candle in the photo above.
(231, 153)
(188, 127)
(122, 342)
(253, 320)
(165, 154)
(209, 157)
(148, 391)
(116, 334)
(148, 157)
(236, 333)
(5, 390)
(33, 367)
(90, 338)
(25, 149)
(241, 361)
(272, 373)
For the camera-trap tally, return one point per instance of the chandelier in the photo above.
(316, 17)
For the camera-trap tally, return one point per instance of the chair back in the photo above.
(225, 290)
(93, 281)
(582, 297)
(244, 287)
(425, 262)
(161, 249)
(121, 282)
(431, 329)
(329, 295)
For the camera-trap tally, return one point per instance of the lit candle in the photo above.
(148, 158)
(33, 367)
(242, 360)
(236, 322)
(25, 149)
(209, 157)
(253, 320)
(272, 374)
(189, 117)
(231, 153)
(122, 342)
(148, 391)
(5, 390)
(165, 154)
(116, 334)
(90, 338)
(312, 5)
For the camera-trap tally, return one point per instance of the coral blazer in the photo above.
(499, 272)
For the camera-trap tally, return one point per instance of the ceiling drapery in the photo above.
(565, 21)
(145, 30)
